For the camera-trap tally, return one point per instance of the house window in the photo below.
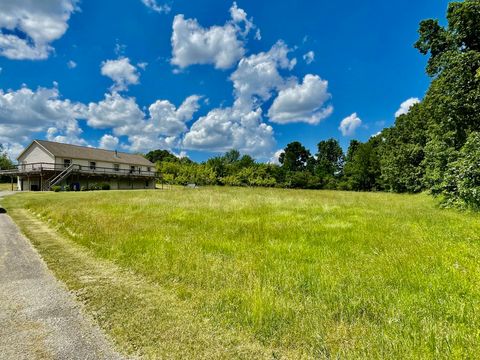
(116, 167)
(132, 169)
(93, 165)
(148, 169)
(66, 162)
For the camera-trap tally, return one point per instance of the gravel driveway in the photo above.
(39, 318)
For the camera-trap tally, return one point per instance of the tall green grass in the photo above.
(315, 273)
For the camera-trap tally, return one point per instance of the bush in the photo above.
(302, 180)
(461, 186)
(56, 188)
(83, 188)
(105, 186)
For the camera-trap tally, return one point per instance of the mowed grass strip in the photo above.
(279, 273)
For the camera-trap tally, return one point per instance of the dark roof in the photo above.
(90, 153)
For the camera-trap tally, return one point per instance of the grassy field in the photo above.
(266, 273)
(7, 186)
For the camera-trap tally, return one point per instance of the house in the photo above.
(44, 164)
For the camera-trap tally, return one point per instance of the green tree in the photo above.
(160, 155)
(246, 161)
(352, 148)
(231, 156)
(363, 171)
(403, 152)
(461, 185)
(218, 166)
(295, 157)
(461, 36)
(330, 159)
(420, 150)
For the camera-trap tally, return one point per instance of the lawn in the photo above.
(7, 186)
(266, 273)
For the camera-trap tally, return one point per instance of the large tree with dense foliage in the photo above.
(419, 151)
(295, 157)
(462, 181)
(402, 153)
(363, 171)
(160, 155)
(330, 159)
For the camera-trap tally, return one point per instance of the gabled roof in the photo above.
(88, 153)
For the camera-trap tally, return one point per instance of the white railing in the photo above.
(37, 168)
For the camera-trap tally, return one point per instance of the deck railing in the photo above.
(37, 168)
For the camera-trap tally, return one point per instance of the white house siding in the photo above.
(27, 183)
(36, 154)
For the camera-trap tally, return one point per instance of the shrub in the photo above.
(461, 186)
(56, 188)
(302, 180)
(83, 188)
(105, 186)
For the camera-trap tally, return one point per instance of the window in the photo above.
(148, 169)
(93, 165)
(66, 162)
(132, 169)
(116, 167)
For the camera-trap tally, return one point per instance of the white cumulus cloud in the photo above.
(155, 6)
(239, 16)
(71, 64)
(26, 112)
(406, 105)
(13, 149)
(109, 142)
(302, 102)
(161, 129)
(221, 46)
(350, 124)
(115, 111)
(29, 27)
(258, 75)
(230, 128)
(309, 57)
(171, 121)
(71, 133)
(121, 72)
(275, 159)
(241, 126)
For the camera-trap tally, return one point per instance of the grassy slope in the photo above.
(288, 273)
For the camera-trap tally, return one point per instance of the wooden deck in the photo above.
(39, 169)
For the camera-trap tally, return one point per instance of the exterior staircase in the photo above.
(58, 178)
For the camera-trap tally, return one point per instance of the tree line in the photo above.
(435, 147)
(330, 168)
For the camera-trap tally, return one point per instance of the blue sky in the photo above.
(200, 77)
